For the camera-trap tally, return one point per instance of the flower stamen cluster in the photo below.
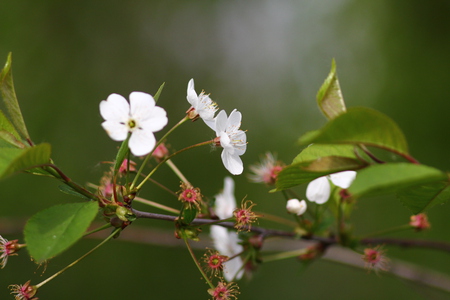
(245, 216)
(419, 222)
(267, 170)
(224, 291)
(190, 195)
(375, 259)
(214, 262)
(7, 249)
(24, 292)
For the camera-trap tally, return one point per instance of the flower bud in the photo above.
(294, 206)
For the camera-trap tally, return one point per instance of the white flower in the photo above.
(140, 117)
(233, 140)
(294, 206)
(202, 105)
(227, 242)
(319, 189)
(225, 201)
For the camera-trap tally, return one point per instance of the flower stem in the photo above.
(386, 231)
(177, 171)
(198, 264)
(79, 259)
(157, 205)
(169, 157)
(285, 255)
(157, 144)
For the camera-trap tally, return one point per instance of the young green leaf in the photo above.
(53, 230)
(422, 197)
(5, 125)
(307, 171)
(391, 177)
(158, 93)
(10, 99)
(329, 97)
(315, 151)
(360, 126)
(14, 160)
(120, 157)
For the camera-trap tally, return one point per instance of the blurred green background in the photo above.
(265, 58)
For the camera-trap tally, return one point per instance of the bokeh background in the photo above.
(265, 58)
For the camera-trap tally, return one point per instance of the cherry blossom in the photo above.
(294, 206)
(202, 105)
(232, 139)
(319, 189)
(141, 117)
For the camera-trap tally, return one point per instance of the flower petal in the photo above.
(192, 97)
(226, 202)
(227, 244)
(156, 120)
(141, 142)
(221, 122)
(318, 190)
(116, 131)
(115, 108)
(232, 163)
(141, 105)
(343, 179)
(234, 120)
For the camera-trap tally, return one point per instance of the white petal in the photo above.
(141, 142)
(115, 108)
(234, 120)
(141, 105)
(211, 123)
(343, 179)
(226, 202)
(318, 190)
(294, 206)
(192, 97)
(156, 120)
(221, 122)
(116, 131)
(227, 244)
(232, 163)
(240, 142)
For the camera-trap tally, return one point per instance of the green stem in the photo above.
(285, 255)
(169, 157)
(157, 205)
(177, 171)
(386, 231)
(198, 264)
(157, 144)
(105, 226)
(79, 259)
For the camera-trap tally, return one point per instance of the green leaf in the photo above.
(315, 151)
(5, 125)
(70, 191)
(53, 230)
(360, 126)
(14, 160)
(10, 99)
(422, 197)
(329, 97)
(120, 157)
(158, 93)
(188, 214)
(307, 171)
(5, 136)
(391, 177)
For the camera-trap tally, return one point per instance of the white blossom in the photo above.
(232, 139)
(202, 105)
(141, 117)
(294, 206)
(225, 241)
(319, 189)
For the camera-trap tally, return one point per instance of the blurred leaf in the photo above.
(329, 97)
(10, 139)
(188, 214)
(158, 93)
(391, 177)
(422, 197)
(53, 230)
(360, 126)
(307, 171)
(316, 151)
(13, 160)
(70, 191)
(10, 99)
